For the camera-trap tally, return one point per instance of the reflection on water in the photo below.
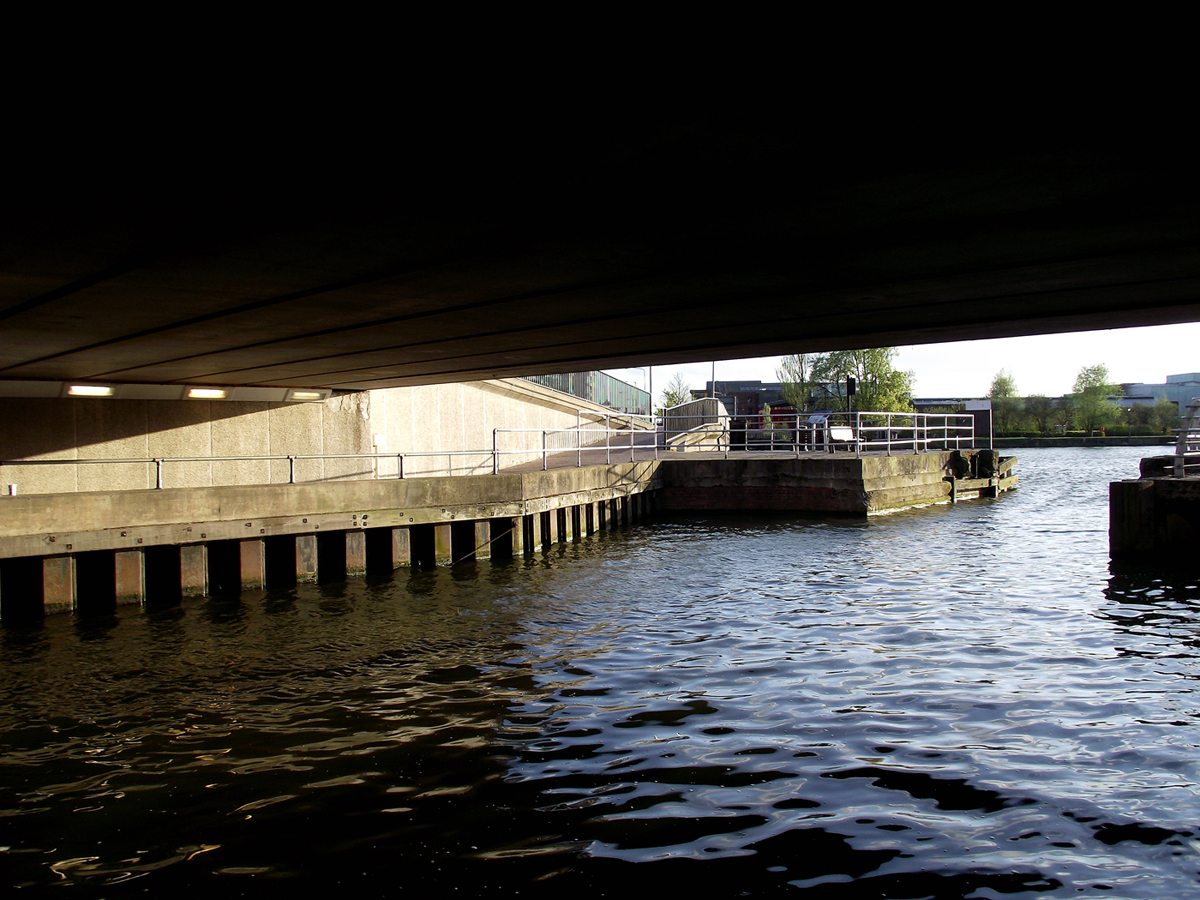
(944, 702)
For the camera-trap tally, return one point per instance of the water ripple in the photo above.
(950, 702)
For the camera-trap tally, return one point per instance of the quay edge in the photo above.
(829, 484)
(1154, 519)
(91, 551)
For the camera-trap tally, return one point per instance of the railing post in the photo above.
(631, 436)
(796, 436)
(607, 439)
(544, 465)
(579, 438)
(857, 434)
(158, 474)
(291, 469)
(495, 456)
(399, 465)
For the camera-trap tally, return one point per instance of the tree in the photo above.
(1137, 417)
(880, 388)
(1005, 404)
(1164, 415)
(1092, 390)
(1063, 415)
(795, 378)
(1040, 408)
(676, 392)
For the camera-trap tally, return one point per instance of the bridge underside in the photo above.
(680, 242)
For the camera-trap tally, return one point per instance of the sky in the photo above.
(1043, 364)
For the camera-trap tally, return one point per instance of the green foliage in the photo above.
(880, 386)
(795, 377)
(1063, 414)
(1006, 405)
(1092, 390)
(676, 392)
(1040, 409)
(1004, 386)
(1164, 415)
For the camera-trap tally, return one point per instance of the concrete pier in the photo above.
(1154, 518)
(159, 546)
(817, 484)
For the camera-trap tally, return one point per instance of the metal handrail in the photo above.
(899, 432)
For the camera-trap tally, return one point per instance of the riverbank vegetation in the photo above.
(1093, 408)
(817, 381)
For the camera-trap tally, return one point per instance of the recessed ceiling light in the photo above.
(206, 394)
(306, 395)
(90, 390)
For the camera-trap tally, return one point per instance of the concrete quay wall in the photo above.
(432, 419)
(91, 551)
(1154, 518)
(827, 484)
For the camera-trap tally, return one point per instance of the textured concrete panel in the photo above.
(356, 553)
(443, 550)
(58, 583)
(37, 429)
(253, 564)
(296, 429)
(401, 548)
(306, 559)
(347, 429)
(483, 539)
(518, 535)
(245, 433)
(450, 425)
(130, 576)
(193, 570)
(112, 429)
(398, 404)
(179, 428)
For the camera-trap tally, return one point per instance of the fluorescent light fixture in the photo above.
(90, 390)
(301, 395)
(206, 394)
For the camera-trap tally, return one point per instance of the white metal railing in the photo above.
(1187, 445)
(706, 431)
(867, 431)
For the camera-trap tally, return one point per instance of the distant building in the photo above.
(938, 404)
(747, 398)
(744, 398)
(598, 387)
(1179, 389)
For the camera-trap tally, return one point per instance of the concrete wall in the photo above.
(827, 484)
(1154, 518)
(397, 420)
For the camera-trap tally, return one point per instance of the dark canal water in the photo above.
(948, 702)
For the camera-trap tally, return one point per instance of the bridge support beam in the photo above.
(130, 572)
(401, 548)
(58, 583)
(443, 545)
(253, 568)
